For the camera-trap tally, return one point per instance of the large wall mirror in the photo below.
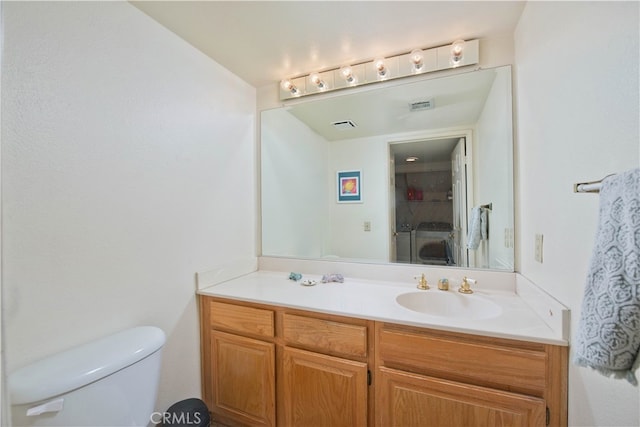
(419, 172)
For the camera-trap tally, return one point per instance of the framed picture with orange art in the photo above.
(349, 186)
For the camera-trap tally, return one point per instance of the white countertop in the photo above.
(376, 300)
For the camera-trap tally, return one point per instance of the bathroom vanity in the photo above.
(267, 365)
(347, 354)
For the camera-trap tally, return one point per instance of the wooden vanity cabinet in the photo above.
(268, 365)
(322, 390)
(433, 378)
(408, 399)
(324, 370)
(238, 362)
(265, 365)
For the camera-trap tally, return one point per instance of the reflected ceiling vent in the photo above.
(344, 125)
(425, 104)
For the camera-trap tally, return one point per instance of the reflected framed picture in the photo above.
(349, 186)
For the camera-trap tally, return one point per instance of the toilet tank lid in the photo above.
(82, 365)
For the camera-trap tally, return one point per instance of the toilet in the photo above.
(112, 381)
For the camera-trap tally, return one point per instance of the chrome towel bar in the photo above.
(589, 187)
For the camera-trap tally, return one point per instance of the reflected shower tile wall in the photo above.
(434, 206)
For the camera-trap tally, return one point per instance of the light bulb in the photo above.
(347, 73)
(317, 81)
(380, 67)
(457, 47)
(457, 50)
(416, 57)
(288, 85)
(315, 78)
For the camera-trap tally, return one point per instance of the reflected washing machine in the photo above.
(432, 243)
(403, 246)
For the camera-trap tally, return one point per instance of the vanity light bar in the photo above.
(419, 61)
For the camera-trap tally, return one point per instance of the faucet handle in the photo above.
(422, 284)
(465, 287)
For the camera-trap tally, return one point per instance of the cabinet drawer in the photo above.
(325, 335)
(237, 318)
(483, 363)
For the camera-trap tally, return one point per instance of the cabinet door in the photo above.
(243, 379)
(321, 390)
(405, 399)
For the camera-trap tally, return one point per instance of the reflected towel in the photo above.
(478, 227)
(608, 337)
(484, 224)
(473, 240)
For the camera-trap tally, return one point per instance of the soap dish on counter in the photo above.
(308, 282)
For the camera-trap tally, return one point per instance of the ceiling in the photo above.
(456, 101)
(264, 41)
(426, 151)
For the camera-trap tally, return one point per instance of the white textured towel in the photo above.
(608, 337)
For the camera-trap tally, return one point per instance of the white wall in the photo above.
(577, 106)
(347, 236)
(294, 186)
(128, 164)
(4, 408)
(371, 156)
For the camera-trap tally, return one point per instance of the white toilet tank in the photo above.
(109, 382)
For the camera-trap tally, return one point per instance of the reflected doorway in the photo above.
(428, 194)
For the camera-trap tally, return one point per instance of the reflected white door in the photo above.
(459, 188)
(393, 233)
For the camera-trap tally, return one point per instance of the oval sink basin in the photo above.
(449, 304)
